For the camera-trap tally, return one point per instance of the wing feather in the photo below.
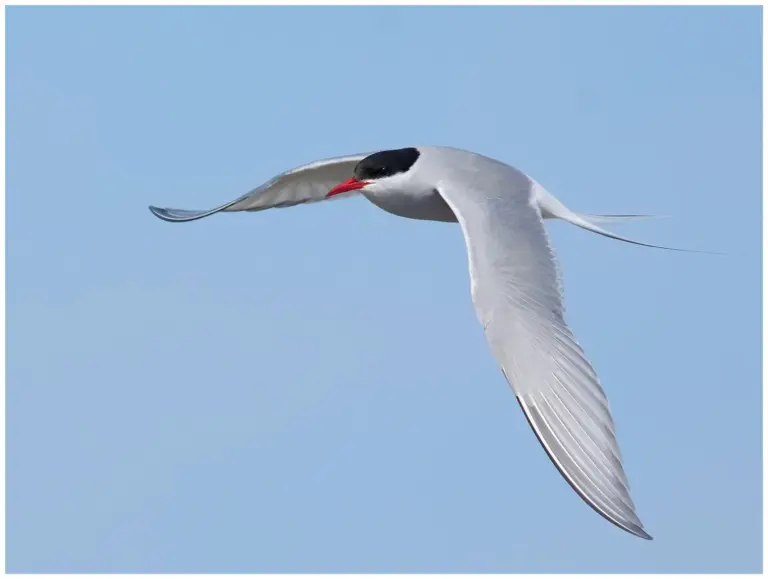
(305, 184)
(517, 295)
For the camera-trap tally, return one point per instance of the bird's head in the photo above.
(384, 172)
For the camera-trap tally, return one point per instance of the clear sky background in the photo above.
(308, 389)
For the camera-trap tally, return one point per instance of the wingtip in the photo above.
(159, 212)
(179, 215)
(642, 534)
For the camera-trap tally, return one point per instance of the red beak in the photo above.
(348, 185)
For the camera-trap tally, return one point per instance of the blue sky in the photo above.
(308, 389)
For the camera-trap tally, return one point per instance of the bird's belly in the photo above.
(428, 207)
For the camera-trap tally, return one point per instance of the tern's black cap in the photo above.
(386, 163)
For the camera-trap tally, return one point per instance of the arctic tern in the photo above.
(515, 287)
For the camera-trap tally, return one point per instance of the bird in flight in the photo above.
(515, 286)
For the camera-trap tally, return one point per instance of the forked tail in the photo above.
(551, 207)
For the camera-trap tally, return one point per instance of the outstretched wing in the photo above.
(517, 296)
(303, 184)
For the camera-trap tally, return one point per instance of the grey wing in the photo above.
(517, 296)
(303, 184)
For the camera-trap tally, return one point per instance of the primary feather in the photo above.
(517, 294)
(305, 184)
